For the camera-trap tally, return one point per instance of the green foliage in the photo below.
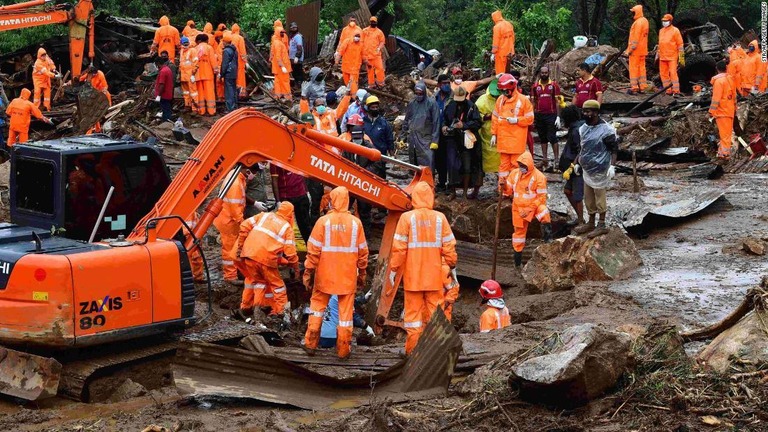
(257, 16)
(538, 24)
(17, 39)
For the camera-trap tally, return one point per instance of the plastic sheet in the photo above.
(595, 157)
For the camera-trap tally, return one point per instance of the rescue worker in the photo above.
(381, 133)
(354, 108)
(595, 163)
(637, 49)
(485, 106)
(228, 223)
(349, 30)
(219, 38)
(264, 243)
(545, 96)
(325, 121)
(314, 88)
(350, 54)
(207, 69)
(166, 39)
(208, 29)
(336, 251)
(195, 259)
(752, 70)
(283, 37)
(228, 72)
(190, 31)
(723, 109)
(296, 53)
(164, 84)
(670, 54)
(99, 82)
(512, 116)
(187, 65)
(423, 242)
(329, 329)
(356, 134)
(496, 315)
(451, 293)
(528, 188)
(221, 27)
(374, 43)
(574, 183)
(736, 56)
(20, 112)
(587, 86)
(422, 127)
(503, 42)
(440, 154)
(42, 72)
(281, 66)
(239, 42)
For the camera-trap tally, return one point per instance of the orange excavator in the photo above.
(58, 293)
(35, 13)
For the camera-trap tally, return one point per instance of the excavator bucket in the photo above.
(28, 376)
(92, 106)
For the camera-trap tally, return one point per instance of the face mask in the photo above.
(445, 88)
(374, 25)
(249, 175)
(458, 80)
(357, 137)
(523, 169)
(665, 23)
(320, 77)
(373, 112)
(751, 48)
(321, 109)
(357, 39)
(419, 97)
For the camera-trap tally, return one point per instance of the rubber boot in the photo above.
(518, 259)
(589, 226)
(600, 230)
(546, 230)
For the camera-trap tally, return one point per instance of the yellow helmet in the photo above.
(371, 100)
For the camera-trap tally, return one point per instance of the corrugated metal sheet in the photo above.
(432, 362)
(757, 165)
(307, 16)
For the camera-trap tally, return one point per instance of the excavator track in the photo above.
(103, 360)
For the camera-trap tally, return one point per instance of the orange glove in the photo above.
(307, 279)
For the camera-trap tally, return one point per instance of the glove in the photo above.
(361, 279)
(47, 120)
(157, 98)
(558, 123)
(681, 59)
(370, 332)
(368, 295)
(295, 60)
(611, 172)
(392, 275)
(567, 173)
(307, 280)
(493, 141)
(755, 91)
(58, 75)
(282, 68)
(524, 213)
(260, 206)
(192, 79)
(493, 57)
(454, 276)
(512, 120)
(433, 146)
(342, 91)
(577, 169)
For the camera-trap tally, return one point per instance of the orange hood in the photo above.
(277, 32)
(496, 16)
(236, 28)
(285, 211)
(41, 52)
(352, 24)
(164, 21)
(25, 94)
(190, 23)
(527, 160)
(340, 199)
(753, 43)
(208, 28)
(637, 10)
(277, 24)
(423, 196)
(221, 27)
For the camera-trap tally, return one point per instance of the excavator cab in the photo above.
(61, 185)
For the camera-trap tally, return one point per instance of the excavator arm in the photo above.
(247, 136)
(37, 13)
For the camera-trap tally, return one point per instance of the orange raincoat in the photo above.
(423, 241)
(637, 49)
(723, 109)
(207, 69)
(670, 48)
(373, 45)
(228, 223)
(351, 55)
(20, 112)
(42, 73)
(511, 139)
(503, 41)
(166, 38)
(529, 199)
(239, 42)
(280, 60)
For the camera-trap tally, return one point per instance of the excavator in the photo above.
(35, 13)
(59, 294)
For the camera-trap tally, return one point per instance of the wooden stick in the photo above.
(636, 107)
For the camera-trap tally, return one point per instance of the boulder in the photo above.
(753, 246)
(562, 264)
(746, 340)
(580, 364)
(570, 61)
(127, 390)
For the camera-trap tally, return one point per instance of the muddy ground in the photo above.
(694, 274)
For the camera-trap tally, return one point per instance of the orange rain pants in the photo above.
(725, 130)
(418, 306)
(668, 72)
(637, 78)
(317, 306)
(259, 279)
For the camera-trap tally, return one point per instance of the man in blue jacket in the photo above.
(229, 72)
(378, 129)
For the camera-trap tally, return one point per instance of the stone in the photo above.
(581, 364)
(746, 340)
(562, 264)
(127, 390)
(753, 246)
(570, 61)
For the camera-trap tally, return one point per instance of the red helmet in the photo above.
(490, 289)
(355, 120)
(507, 82)
(456, 70)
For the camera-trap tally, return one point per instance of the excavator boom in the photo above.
(44, 12)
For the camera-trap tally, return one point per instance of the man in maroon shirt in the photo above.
(587, 86)
(289, 186)
(164, 87)
(546, 112)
